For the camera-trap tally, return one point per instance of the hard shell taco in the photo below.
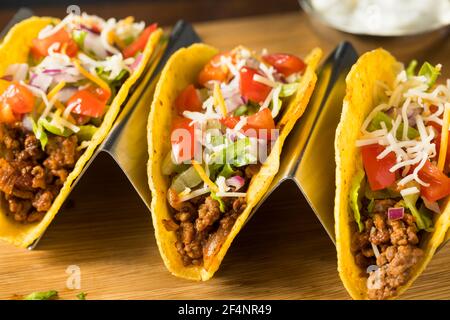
(62, 84)
(392, 166)
(227, 105)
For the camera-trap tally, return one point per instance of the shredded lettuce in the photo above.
(381, 194)
(45, 295)
(355, 202)
(380, 117)
(40, 134)
(371, 205)
(227, 171)
(423, 218)
(430, 72)
(222, 206)
(289, 89)
(186, 179)
(240, 111)
(104, 75)
(86, 132)
(79, 36)
(53, 129)
(237, 154)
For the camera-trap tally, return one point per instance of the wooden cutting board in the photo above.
(283, 253)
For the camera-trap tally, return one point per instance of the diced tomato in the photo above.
(101, 94)
(212, 70)
(439, 183)
(377, 170)
(40, 47)
(260, 120)
(15, 101)
(19, 98)
(251, 89)
(139, 44)
(284, 63)
(183, 138)
(188, 100)
(89, 102)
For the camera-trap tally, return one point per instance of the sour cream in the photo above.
(381, 17)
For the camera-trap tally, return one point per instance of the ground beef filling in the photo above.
(396, 241)
(30, 178)
(201, 227)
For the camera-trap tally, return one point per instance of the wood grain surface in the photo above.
(282, 253)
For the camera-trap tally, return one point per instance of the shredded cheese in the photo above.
(444, 138)
(56, 89)
(264, 80)
(51, 95)
(204, 177)
(91, 77)
(276, 105)
(105, 36)
(194, 194)
(409, 104)
(83, 145)
(408, 191)
(218, 99)
(231, 194)
(64, 122)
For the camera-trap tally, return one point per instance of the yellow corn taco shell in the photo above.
(15, 49)
(361, 97)
(182, 69)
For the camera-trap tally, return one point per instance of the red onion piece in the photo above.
(41, 81)
(237, 182)
(52, 72)
(396, 213)
(136, 62)
(233, 102)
